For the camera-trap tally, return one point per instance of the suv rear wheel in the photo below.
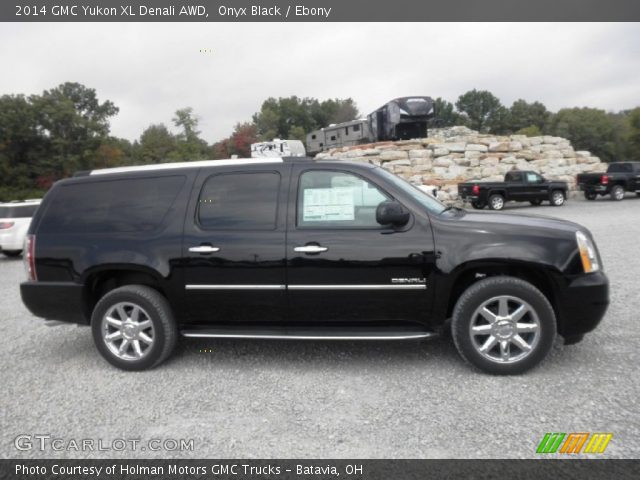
(503, 325)
(133, 327)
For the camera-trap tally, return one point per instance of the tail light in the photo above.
(476, 189)
(29, 257)
(604, 179)
(5, 225)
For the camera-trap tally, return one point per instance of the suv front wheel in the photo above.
(133, 327)
(503, 325)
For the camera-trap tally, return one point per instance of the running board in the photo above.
(310, 333)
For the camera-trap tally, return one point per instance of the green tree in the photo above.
(588, 129)
(446, 115)
(156, 145)
(297, 133)
(113, 152)
(21, 145)
(73, 123)
(499, 122)
(482, 110)
(530, 131)
(633, 134)
(332, 111)
(524, 115)
(292, 117)
(189, 145)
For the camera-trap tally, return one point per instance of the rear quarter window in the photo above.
(128, 205)
(620, 168)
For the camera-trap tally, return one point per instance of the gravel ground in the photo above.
(335, 400)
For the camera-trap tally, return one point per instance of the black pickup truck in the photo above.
(621, 177)
(518, 186)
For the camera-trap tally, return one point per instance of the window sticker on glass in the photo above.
(328, 204)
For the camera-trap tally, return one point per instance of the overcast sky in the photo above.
(150, 70)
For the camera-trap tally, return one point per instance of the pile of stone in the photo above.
(453, 155)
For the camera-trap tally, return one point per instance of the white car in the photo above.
(15, 218)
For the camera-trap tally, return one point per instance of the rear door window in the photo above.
(239, 201)
(130, 205)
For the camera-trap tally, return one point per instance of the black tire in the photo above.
(590, 195)
(535, 203)
(478, 204)
(496, 202)
(155, 308)
(617, 193)
(466, 314)
(12, 253)
(556, 198)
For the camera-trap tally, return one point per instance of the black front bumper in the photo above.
(62, 301)
(582, 303)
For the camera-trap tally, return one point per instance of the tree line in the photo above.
(66, 129)
(612, 136)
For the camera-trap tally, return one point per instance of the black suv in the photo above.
(302, 249)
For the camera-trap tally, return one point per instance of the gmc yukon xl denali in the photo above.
(301, 249)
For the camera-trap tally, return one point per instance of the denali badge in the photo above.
(409, 280)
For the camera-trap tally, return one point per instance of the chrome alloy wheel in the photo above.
(617, 192)
(557, 198)
(127, 331)
(505, 329)
(497, 202)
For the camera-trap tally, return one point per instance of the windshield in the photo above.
(426, 200)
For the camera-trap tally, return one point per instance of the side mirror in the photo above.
(392, 213)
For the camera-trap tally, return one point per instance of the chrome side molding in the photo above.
(298, 336)
(308, 287)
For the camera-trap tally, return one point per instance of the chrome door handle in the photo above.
(310, 249)
(204, 249)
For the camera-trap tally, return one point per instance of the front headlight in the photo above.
(588, 253)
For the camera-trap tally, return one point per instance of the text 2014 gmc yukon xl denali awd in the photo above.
(296, 248)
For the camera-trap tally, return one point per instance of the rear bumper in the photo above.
(601, 189)
(10, 241)
(61, 301)
(582, 304)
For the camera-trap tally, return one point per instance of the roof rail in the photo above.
(179, 165)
